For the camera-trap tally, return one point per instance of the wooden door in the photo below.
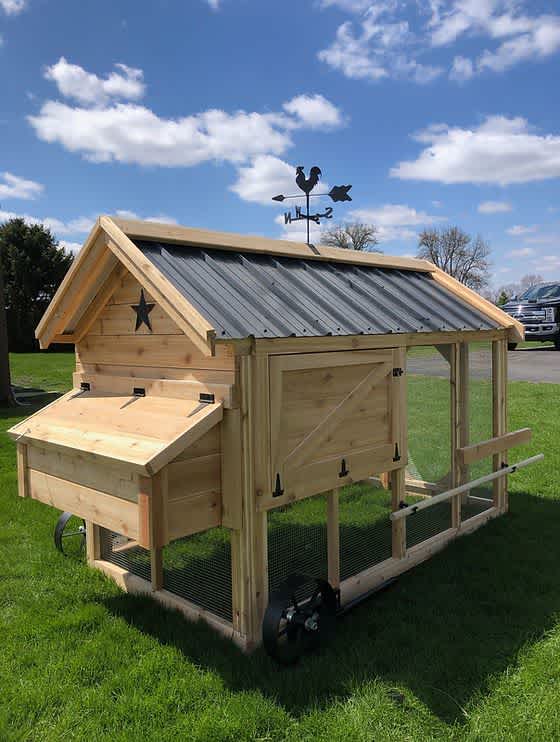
(335, 418)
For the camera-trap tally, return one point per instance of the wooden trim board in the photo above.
(477, 451)
(246, 243)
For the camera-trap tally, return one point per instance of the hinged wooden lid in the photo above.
(144, 432)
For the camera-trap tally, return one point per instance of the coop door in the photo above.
(335, 418)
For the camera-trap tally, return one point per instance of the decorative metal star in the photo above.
(142, 310)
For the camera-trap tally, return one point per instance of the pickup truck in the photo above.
(538, 309)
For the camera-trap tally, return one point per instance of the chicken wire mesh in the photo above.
(365, 528)
(198, 568)
(125, 553)
(429, 413)
(297, 543)
(480, 498)
(427, 523)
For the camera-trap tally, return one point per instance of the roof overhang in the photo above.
(110, 249)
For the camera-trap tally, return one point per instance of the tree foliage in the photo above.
(6, 396)
(516, 289)
(460, 254)
(33, 264)
(351, 236)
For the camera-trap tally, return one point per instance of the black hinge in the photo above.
(343, 470)
(139, 391)
(85, 386)
(278, 491)
(397, 456)
(208, 398)
(398, 371)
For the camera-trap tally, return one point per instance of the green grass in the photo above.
(49, 371)
(463, 647)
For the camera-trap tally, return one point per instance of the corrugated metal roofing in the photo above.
(267, 296)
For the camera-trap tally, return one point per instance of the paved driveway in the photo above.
(540, 364)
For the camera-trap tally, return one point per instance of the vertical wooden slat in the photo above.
(459, 387)
(231, 474)
(398, 526)
(153, 525)
(22, 470)
(93, 542)
(499, 417)
(333, 538)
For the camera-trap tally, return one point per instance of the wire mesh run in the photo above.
(297, 543)
(365, 528)
(125, 553)
(427, 523)
(198, 568)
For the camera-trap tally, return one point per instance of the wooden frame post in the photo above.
(152, 501)
(93, 542)
(333, 538)
(398, 478)
(499, 418)
(460, 421)
(22, 470)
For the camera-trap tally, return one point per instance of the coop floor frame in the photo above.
(250, 476)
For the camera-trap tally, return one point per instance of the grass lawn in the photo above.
(463, 647)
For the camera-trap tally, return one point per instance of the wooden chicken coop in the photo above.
(230, 392)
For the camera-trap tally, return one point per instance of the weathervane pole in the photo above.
(337, 193)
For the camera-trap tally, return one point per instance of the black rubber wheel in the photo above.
(291, 628)
(557, 342)
(512, 346)
(70, 535)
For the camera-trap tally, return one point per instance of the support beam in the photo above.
(398, 526)
(152, 503)
(93, 542)
(333, 538)
(22, 470)
(499, 418)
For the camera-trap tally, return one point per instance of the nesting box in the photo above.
(222, 382)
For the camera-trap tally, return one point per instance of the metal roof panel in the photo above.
(268, 296)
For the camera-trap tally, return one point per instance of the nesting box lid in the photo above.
(144, 432)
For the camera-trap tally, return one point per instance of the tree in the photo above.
(457, 253)
(351, 236)
(503, 298)
(6, 395)
(34, 265)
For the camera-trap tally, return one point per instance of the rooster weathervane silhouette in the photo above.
(337, 193)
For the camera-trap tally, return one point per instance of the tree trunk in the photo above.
(6, 394)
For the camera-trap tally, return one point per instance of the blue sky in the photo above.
(438, 112)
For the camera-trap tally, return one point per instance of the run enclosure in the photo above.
(227, 391)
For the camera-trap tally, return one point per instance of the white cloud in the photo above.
(522, 252)
(352, 6)
(314, 112)
(263, 178)
(117, 131)
(73, 247)
(543, 239)
(548, 262)
(161, 218)
(462, 69)
(17, 187)
(381, 47)
(74, 82)
(80, 225)
(389, 41)
(500, 150)
(394, 221)
(13, 7)
(519, 229)
(214, 4)
(494, 207)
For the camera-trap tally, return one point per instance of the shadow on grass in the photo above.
(442, 632)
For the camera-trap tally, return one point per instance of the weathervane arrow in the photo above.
(337, 193)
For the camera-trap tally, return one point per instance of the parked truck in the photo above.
(538, 308)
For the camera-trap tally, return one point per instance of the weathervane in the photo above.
(337, 193)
